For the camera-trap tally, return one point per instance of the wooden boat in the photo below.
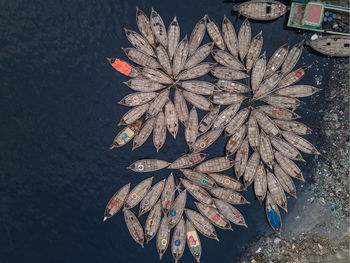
(227, 98)
(199, 178)
(193, 241)
(134, 226)
(258, 72)
(163, 58)
(289, 166)
(244, 38)
(227, 60)
(225, 116)
(137, 98)
(139, 42)
(260, 182)
(292, 58)
(159, 28)
(163, 236)
(148, 165)
(181, 107)
(254, 51)
(134, 114)
(196, 72)
(143, 85)
(214, 165)
(235, 141)
(293, 77)
(228, 195)
(300, 143)
(201, 224)
(141, 58)
(227, 181)
(253, 133)
(138, 193)
(191, 130)
(124, 68)
(153, 221)
(144, 26)
(285, 180)
(282, 101)
(331, 45)
(144, 133)
(230, 212)
(276, 191)
(267, 86)
(237, 121)
(297, 91)
(206, 140)
(151, 197)
(228, 73)
(250, 170)
(215, 33)
(231, 86)
(276, 60)
(197, 192)
(175, 214)
(198, 101)
(168, 194)
(273, 214)
(126, 134)
(156, 75)
(116, 202)
(199, 87)
(261, 9)
(241, 159)
(319, 17)
(265, 149)
(179, 240)
(158, 103)
(208, 120)
(197, 35)
(266, 123)
(171, 118)
(199, 55)
(173, 37)
(293, 126)
(188, 160)
(180, 56)
(214, 216)
(286, 149)
(159, 131)
(230, 37)
(278, 113)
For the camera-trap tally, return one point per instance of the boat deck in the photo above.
(298, 15)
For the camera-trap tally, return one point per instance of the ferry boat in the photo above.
(320, 17)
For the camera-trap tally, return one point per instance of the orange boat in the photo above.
(125, 135)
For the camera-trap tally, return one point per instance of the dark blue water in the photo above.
(58, 117)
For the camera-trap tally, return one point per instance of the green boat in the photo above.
(320, 17)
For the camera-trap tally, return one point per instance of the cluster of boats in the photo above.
(166, 211)
(264, 137)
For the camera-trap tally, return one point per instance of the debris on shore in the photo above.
(304, 248)
(330, 180)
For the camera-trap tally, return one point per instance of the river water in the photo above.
(59, 115)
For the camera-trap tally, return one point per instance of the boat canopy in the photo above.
(313, 15)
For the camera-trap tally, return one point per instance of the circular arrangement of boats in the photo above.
(264, 141)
